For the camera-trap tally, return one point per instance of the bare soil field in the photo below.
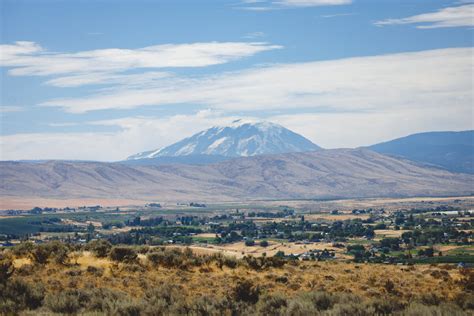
(389, 232)
(336, 217)
(239, 249)
(386, 203)
(27, 203)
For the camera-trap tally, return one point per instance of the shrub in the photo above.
(100, 248)
(389, 286)
(23, 249)
(20, 295)
(352, 309)
(210, 305)
(430, 299)
(264, 243)
(59, 252)
(123, 254)
(272, 304)
(230, 262)
(297, 307)
(164, 299)
(127, 307)
(417, 309)
(95, 271)
(250, 242)
(40, 254)
(320, 301)
(104, 300)
(246, 291)
(63, 302)
(6, 269)
(386, 306)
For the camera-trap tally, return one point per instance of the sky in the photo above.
(102, 80)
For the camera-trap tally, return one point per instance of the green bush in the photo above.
(250, 242)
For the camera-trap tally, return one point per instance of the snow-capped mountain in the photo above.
(240, 139)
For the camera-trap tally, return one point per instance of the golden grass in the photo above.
(206, 235)
(19, 262)
(86, 259)
(389, 232)
(366, 280)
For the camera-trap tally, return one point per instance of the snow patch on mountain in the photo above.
(240, 138)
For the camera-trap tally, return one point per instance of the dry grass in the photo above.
(366, 280)
(206, 235)
(86, 259)
(19, 262)
(27, 203)
(389, 233)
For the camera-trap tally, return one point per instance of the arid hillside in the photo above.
(102, 280)
(323, 174)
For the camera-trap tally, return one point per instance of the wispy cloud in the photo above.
(268, 5)
(311, 3)
(30, 59)
(254, 35)
(108, 78)
(134, 134)
(461, 16)
(64, 124)
(427, 79)
(328, 16)
(10, 108)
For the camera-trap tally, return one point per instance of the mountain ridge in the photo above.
(451, 150)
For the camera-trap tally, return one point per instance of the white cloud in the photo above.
(311, 3)
(10, 108)
(253, 35)
(107, 78)
(430, 80)
(331, 130)
(337, 103)
(268, 5)
(461, 16)
(29, 59)
(328, 16)
(136, 134)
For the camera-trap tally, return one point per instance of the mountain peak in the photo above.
(240, 138)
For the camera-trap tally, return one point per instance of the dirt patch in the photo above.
(390, 232)
(27, 203)
(335, 217)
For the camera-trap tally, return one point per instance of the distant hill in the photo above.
(338, 173)
(239, 139)
(453, 151)
(169, 160)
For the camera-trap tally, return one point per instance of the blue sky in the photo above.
(102, 80)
